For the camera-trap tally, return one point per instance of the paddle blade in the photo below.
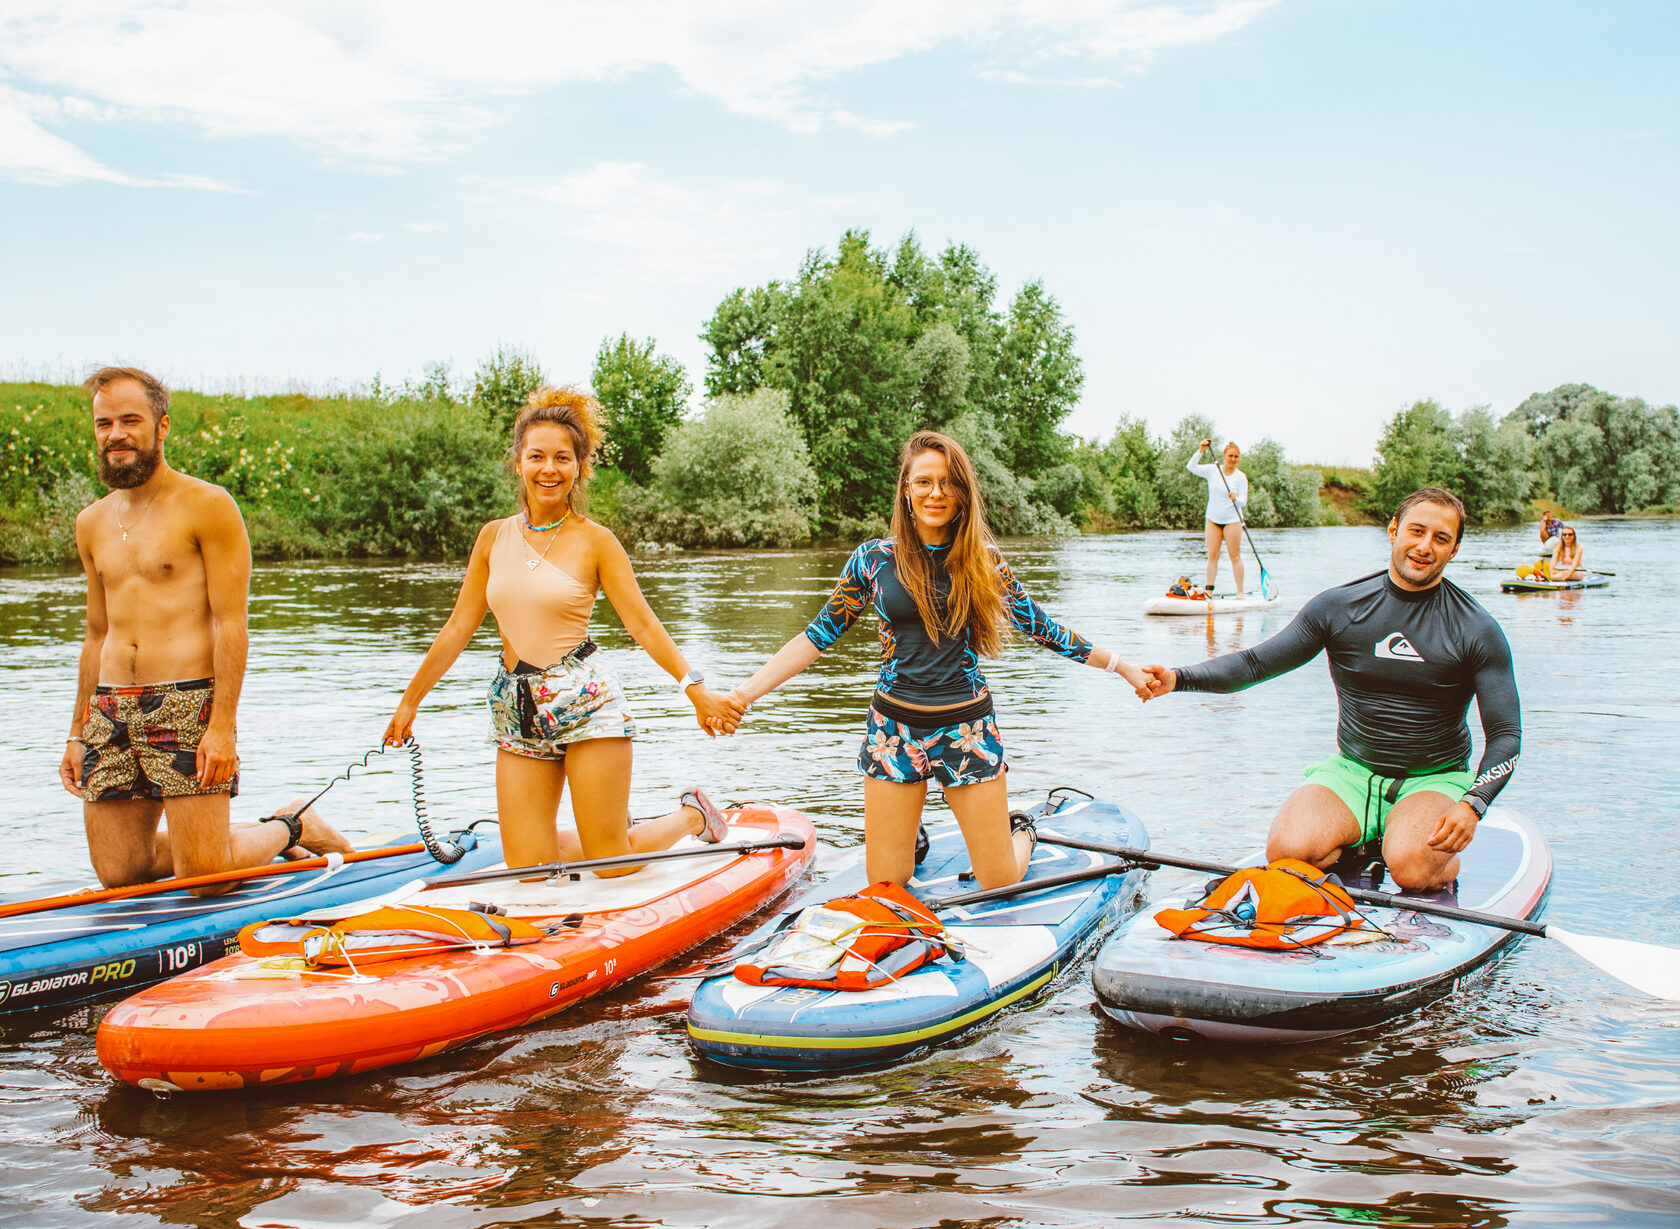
(1268, 586)
(1644, 966)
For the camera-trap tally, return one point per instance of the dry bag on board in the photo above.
(386, 934)
(1282, 905)
(853, 943)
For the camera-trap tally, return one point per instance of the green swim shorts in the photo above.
(1369, 795)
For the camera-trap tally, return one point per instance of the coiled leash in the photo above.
(445, 851)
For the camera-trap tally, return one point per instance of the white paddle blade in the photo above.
(1644, 966)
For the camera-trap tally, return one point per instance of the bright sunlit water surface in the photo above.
(1543, 1093)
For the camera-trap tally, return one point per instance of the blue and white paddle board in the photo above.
(58, 960)
(1148, 979)
(1014, 946)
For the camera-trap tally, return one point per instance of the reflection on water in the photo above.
(1542, 1094)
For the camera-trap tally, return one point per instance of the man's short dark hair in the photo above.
(1433, 495)
(157, 394)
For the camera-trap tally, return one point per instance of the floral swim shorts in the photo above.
(536, 711)
(142, 742)
(967, 751)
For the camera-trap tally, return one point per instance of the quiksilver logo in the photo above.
(1397, 648)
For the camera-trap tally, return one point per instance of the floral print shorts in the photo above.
(537, 712)
(966, 753)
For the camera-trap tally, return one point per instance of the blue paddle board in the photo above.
(61, 959)
(1014, 947)
(1148, 979)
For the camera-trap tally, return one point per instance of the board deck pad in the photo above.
(1145, 978)
(1014, 947)
(1521, 584)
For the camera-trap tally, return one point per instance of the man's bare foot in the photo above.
(318, 837)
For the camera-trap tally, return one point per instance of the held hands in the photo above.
(716, 712)
(1157, 682)
(217, 759)
(1455, 830)
(1137, 678)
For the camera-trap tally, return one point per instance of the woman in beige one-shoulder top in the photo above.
(557, 713)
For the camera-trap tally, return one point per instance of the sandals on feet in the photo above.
(717, 827)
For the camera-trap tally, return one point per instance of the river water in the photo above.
(1544, 1094)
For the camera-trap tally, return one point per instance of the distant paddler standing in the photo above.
(163, 659)
(1227, 497)
(1408, 650)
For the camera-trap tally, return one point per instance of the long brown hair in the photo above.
(975, 604)
(578, 414)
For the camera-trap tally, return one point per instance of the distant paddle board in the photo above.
(1517, 584)
(1167, 605)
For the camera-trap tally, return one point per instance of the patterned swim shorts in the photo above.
(965, 752)
(142, 742)
(536, 712)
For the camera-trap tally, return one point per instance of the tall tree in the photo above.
(642, 395)
(1039, 378)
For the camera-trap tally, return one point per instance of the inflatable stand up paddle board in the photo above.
(1147, 979)
(251, 1020)
(64, 959)
(1168, 605)
(1014, 947)
(1518, 584)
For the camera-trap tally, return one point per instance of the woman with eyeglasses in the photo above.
(944, 598)
(1566, 562)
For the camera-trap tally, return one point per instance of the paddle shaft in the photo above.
(101, 895)
(1243, 520)
(1362, 895)
(1032, 885)
(784, 840)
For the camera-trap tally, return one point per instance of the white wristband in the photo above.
(688, 680)
(1113, 666)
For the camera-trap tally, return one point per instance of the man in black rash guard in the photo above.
(1408, 649)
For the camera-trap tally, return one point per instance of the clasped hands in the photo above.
(717, 712)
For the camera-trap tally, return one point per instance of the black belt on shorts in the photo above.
(524, 671)
(932, 719)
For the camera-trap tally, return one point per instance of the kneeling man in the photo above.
(163, 658)
(1408, 649)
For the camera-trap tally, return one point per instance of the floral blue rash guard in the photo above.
(913, 668)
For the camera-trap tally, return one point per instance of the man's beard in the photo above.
(121, 475)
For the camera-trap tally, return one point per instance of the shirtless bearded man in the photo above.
(163, 659)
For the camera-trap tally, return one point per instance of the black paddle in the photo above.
(553, 870)
(1031, 885)
(1644, 966)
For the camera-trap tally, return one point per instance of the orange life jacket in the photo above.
(894, 934)
(1285, 904)
(386, 934)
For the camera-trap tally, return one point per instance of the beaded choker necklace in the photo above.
(526, 517)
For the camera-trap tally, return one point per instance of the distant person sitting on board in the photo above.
(1227, 497)
(1565, 563)
(944, 598)
(163, 659)
(1551, 525)
(558, 713)
(1408, 650)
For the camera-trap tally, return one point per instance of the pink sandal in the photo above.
(717, 827)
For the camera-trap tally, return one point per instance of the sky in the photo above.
(1294, 216)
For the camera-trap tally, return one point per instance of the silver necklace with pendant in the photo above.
(532, 563)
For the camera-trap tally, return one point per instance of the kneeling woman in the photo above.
(944, 596)
(565, 719)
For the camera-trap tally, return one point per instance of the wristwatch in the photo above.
(688, 680)
(1476, 804)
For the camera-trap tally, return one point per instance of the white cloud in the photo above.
(30, 153)
(399, 80)
(664, 232)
